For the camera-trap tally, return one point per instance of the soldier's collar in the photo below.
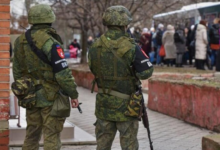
(40, 26)
(115, 33)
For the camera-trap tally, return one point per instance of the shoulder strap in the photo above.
(35, 49)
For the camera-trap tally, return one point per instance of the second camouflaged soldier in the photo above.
(110, 58)
(49, 80)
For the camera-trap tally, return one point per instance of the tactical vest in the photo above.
(32, 66)
(111, 73)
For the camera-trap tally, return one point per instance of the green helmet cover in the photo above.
(41, 14)
(116, 15)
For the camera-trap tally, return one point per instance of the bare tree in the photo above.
(28, 4)
(86, 15)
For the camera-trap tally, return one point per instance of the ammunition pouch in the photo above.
(134, 105)
(61, 106)
(24, 89)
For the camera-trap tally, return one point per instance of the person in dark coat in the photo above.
(188, 44)
(75, 44)
(214, 40)
(145, 41)
(179, 40)
(218, 57)
(158, 38)
(186, 54)
(137, 34)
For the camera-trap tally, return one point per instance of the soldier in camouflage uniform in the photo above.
(51, 79)
(110, 58)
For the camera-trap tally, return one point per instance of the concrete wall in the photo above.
(84, 79)
(196, 104)
(4, 72)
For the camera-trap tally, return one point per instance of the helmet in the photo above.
(116, 15)
(41, 14)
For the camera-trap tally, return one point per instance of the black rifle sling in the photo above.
(35, 49)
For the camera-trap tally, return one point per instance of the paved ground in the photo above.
(167, 133)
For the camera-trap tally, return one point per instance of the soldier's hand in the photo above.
(74, 103)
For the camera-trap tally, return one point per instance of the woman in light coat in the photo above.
(170, 48)
(201, 45)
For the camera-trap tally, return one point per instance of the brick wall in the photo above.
(4, 72)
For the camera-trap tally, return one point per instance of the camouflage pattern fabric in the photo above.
(116, 16)
(145, 74)
(40, 14)
(38, 120)
(110, 107)
(134, 105)
(109, 58)
(26, 62)
(105, 133)
(24, 89)
(107, 106)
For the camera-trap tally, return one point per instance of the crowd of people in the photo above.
(195, 46)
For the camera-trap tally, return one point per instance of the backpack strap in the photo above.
(35, 49)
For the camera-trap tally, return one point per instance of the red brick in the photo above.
(4, 71)
(4, 55)
(4, 8)
(4, 116)
(4, 133)
(5, 2)
(4, 86)
(4, 101)
(4, 147)
(4, 93)
(4, 24)
(4, 31)
(4, 47)
(4, 78)
(4, 140)
(5, 39)
(5, 109)
(4, 16)
(4, 62)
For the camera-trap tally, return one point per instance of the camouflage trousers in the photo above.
(40, 122)
(105, 133)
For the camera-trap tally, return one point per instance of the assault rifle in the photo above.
(143, 115)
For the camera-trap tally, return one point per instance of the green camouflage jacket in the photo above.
(52, 78)
(112, 74)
